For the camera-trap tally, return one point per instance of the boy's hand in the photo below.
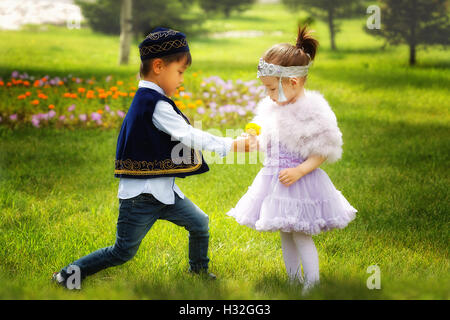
(289, 176)
(245, 143)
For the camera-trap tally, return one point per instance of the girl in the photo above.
(298, 133)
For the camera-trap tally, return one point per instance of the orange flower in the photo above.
(102, 95)
(36, 83)
(28, 93)
(191, 105)
(51, 106)
(176, 95)
(2, 83)
(115, 96)
(9, 84)
(44, 79)
(73, 96)
(181, 88)
(119, 83)
(60, 82)
(21, 97)
(26, 83)
(100, 90)
(131, 94)
(195, 74)
(81, 90)
(198, 102)
(113, 88)
(35, 102)
(67, 95)
(42, 96)
(99, 111)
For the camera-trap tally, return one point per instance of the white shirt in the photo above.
(167, 120)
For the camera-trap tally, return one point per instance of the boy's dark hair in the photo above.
(146, 65)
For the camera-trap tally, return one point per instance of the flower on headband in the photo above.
(253, 129)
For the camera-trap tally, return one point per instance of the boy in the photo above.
(147, 161)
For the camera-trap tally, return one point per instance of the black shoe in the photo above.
(59, 279)
(205, 274)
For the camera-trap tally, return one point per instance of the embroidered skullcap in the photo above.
(162, 42)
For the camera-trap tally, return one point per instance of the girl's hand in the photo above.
(289, 176)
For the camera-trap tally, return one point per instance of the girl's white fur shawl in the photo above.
(305, 127)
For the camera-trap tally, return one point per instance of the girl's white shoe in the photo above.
(308, 286)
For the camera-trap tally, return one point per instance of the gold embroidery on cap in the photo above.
(165, 46)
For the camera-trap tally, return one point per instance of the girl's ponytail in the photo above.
(306, 42)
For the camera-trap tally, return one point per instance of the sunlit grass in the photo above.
(58, 196)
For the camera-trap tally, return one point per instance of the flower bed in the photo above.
(75, 102)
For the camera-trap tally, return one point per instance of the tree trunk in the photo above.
(412, 54)
(332, 29)
(125, 31)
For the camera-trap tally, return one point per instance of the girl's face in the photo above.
(292, 87)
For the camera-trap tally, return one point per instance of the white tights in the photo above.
(299, 249)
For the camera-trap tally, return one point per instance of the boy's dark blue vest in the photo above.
(143, 151)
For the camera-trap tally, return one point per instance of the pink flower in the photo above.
(107, 108)
(13, 117)
(51, 114)
(201, 110)
(35, 122)
(96, 116)
(120, 113)
(71, 108)
(62, 118)
(82, 117)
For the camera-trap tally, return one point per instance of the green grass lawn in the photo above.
(58, 195)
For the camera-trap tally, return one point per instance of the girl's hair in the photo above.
(146, 65)
(286, 54)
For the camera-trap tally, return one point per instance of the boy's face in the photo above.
(171, 76)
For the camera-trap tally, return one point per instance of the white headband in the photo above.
(273, 70)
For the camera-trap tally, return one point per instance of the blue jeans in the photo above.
(136, 216)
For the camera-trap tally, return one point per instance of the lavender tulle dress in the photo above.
(310, 205)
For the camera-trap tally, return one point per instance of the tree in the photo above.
(328, 11)
(414, 22)
(104, 15)
(225, 6)
(126, 27)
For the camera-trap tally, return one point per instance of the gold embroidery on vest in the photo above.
(133, 167)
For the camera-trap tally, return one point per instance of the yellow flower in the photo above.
(191, 105)
(253, 129)
(198, 102)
